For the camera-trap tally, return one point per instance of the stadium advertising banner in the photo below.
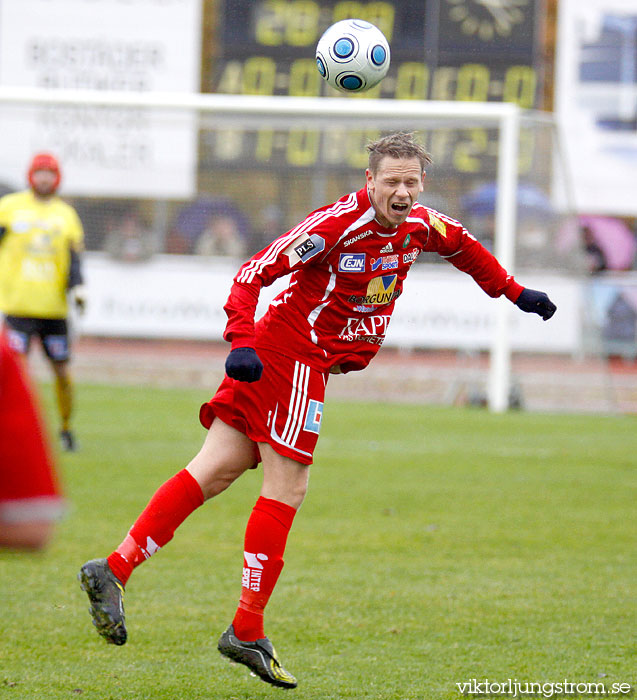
(182, 297)
(132, 45)
(596, 102)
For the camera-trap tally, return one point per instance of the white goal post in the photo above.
(257, 112)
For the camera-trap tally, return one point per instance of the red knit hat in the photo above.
(45, 161)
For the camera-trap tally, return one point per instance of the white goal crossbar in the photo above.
(257, 111)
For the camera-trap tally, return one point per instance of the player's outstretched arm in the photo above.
(244, 365)
(534, 302)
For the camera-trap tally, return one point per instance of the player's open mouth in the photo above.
(400, 207)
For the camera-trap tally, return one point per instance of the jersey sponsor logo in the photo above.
(34, 268)
(371, 329)
(57, 346)
(387, 249)
(310, 247)
(313, 416)
(409, 258)
(20, 226)
(371, 339)
(151, 548)
(358, 237)
(438, 225)
(380, 291)
(41, 244)
(362, 309)
(251, 578)
(387, 262)
(351, 262)
(18, 341)
(390, 262)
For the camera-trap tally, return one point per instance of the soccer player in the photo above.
(30, 498)
(348, 262)
(41, 240)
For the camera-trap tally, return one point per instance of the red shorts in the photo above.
(28, 483)
(284, 408)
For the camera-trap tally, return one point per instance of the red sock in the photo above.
(266, 535)
(172, 503)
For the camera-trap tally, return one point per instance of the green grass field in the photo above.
(435, 546)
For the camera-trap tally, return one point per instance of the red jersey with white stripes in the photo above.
(347, 272)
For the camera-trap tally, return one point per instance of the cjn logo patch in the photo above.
(351, 262)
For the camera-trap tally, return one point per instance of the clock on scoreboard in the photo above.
(480, 50)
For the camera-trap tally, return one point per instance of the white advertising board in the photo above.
(596, 102)
(183, 297)
(444, 308)
(125, 45)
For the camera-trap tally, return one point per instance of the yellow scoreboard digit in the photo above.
(441, 50)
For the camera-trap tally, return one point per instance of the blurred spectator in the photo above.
(129, 239)
(614, 238)
(531, 201)
(271, 224)
(596, 260)
(535, 220)
(30, 500)
(194, 219)
(95, 214)
(607, 242)
(221, 237)
(621, 321)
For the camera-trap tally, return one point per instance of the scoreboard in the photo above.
(441, 49)
(479, 50)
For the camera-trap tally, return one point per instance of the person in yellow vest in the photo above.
(41, 240)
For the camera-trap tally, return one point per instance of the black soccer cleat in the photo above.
(67, 440)
(260, 657)
(106, 595)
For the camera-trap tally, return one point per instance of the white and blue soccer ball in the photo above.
(353, 55)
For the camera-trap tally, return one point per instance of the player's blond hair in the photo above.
(401, 144)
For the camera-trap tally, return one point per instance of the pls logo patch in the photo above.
(310, 247)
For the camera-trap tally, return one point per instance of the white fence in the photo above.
(183, 297)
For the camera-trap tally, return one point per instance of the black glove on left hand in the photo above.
(244, 365)
(534, 302)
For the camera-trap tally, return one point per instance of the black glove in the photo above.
(534, 302)
(78, 294)
(244, 365)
